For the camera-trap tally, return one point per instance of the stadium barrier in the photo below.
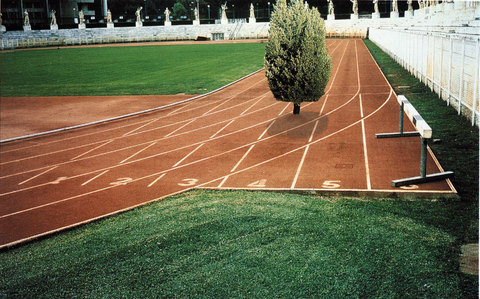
(448, 63)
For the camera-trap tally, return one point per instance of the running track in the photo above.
(239, 137)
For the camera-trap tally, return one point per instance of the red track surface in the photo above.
(239, 137)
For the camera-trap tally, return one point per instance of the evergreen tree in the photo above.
(179, 10)
(297, 63)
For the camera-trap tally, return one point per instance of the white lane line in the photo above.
(224, 101)
(36, 176)
(95, 177)
(118, 138)
(111, 167)
(323, 106)
(246, 110)
(300, 165)
(281, 112)
(241, 114)
(236, 165)
(156, 180)
(166, 152)
(223, 181)
(243, 158)
(338, 68)
(91, 150)
(159, 139)
(184, 158)
(223, 128)
(178, 129)
(204, 159)
(365, 154)
(367, 167)
(143, 121)
(142, 126)
(143, 149)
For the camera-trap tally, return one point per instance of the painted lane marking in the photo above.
(59, 180)
(188, 155)
(258, 184)
(224, 101)
(143, 149)
(156, 180)
(142, 126)
(246, 110)
(36, 176)
(178, 129)
(118, 138)
(160, 139)
(207, 158)
(223, 128)
(331, 184)
(364, 139)
(95, 177)
(300, 165)
(166, 152)
(121, 127)
(91, 150)
(334, 110)
(365, 153)
(121, 181)
(188, 182)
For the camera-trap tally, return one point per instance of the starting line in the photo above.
(423, 130)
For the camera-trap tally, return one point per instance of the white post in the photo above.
(440, 86)
(450, 72)
(460, 93)
(475, 84)
(433, 64)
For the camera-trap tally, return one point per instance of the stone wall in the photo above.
(65, 37)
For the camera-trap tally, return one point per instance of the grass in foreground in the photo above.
(189, 69)
(245, 244)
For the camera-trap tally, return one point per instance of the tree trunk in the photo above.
(296, 108)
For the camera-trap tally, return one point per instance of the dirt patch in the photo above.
(469, 259)
(20, 116)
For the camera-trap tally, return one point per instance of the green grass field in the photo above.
(189, 69)
(256, 244)
(246, 244)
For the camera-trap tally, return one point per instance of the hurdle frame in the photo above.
(425, 132)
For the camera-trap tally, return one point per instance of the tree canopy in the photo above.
(297, 63)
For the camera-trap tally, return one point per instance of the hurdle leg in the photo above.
(400, 132)
(423, 158)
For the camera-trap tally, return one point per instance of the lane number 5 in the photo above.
(331, 184)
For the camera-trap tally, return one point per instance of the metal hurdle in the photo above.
(423, 130)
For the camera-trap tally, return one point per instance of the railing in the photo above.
(447, 63)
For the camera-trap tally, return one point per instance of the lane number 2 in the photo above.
(258, 184)
(121, 181)
(188, 182)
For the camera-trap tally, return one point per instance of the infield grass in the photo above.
(145, 70)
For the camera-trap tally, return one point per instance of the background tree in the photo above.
(297, 63)
(179, 10)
